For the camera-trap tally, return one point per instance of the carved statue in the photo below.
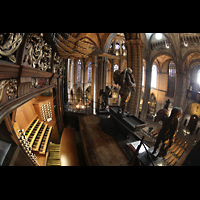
(105, 96)
(126, 80)
(168, 129)
(167, 104)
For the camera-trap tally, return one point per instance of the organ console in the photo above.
(27, 146)
(34, 123)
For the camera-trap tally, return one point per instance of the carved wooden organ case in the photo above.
(32, 77)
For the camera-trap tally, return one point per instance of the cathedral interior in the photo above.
(55, 108)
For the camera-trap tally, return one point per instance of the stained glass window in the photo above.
(89, 72)
(79, 71)
(171, 79)
(172, 69)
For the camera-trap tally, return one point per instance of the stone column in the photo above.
(83, 79)
(179, 88)
(135, 61)
(179, 82)
(100, 74)
(105, 61)
(147, 90)
(94, 84)
(72, 79)
(99, 81)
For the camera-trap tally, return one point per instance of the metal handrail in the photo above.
(149, 155)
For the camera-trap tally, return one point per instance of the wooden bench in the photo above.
(68, 149)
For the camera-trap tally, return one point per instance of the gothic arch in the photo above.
(188, 53)
(128, 36)
(108, 41)
(192, 76)
(194, 63)
(162, 53)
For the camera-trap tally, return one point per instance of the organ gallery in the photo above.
(99, 99)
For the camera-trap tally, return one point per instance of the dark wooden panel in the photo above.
(8, 70)
(33, 72)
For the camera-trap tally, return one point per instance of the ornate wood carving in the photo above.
(12, 89)
(9, 43)
(59, 64)
(37, 69)
(8, 90)
(38, 53)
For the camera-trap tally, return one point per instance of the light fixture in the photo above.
(117, 53)
(185, 42)
(167, 44)
(158, 36)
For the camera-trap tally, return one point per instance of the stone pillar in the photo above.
(72, 79)
(147, 90)
(179, 88)
(94, 84)
(111, 72)
(179, 82)
(99, 81)
(105, 61)
(100, 74)
(134, 47)
(66, 82)
(83, 79)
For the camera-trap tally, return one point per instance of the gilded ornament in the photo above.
(10, 42)
(38, 52)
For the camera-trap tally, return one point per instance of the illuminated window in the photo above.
(171, 79)
(89, 72)
(116, 67)
(198, 77)
(158, 36)
(123, 45)
(143, 76)
(172, 69)
(154, 76)
(79, 71)
(117, 46)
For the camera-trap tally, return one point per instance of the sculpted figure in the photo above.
(167, 104)
(168, 130)
(105, 96)
(126, 80)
